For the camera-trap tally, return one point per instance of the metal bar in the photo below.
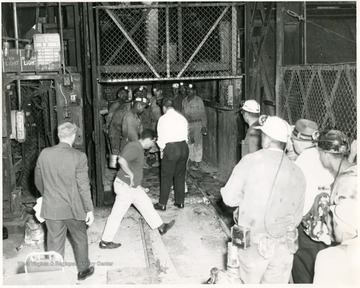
(61, 39)
(16, 34)
(122, 80)
(305, 35)
(131, 32)
(167, 43)
(203, 41)
(98, 193)
(52, 116)
(180, 42)
(97, 41)
(279, 52)
(233, 40)
(120, 26)
(77, 33)
(184, 4)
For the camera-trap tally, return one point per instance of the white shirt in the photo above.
(172, 127)
(318, 178)
(339, 266)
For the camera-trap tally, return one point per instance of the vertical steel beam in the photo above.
(203, 41)
(167, 42)
(234, 35)
(279, 53)
(98, 194)
(180, 43)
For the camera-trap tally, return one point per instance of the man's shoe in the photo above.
(158, 206)
(108, 245)
(86, 273)
(165, 227)
(179, 205)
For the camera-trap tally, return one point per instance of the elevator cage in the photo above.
(325, 94)
(169, 41)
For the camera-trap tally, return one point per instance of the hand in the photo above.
(89, 218)
(131, 181)
(204, 131)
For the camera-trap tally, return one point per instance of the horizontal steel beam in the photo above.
(123, 80)
(185, 5)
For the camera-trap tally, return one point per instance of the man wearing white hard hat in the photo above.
(177, 96)
(193, 109)
(252, 142)
(269, 191)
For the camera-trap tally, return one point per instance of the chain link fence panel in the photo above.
(146, 42)
(325, 94)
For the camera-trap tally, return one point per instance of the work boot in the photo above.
(165, 227)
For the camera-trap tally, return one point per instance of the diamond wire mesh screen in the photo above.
(166, 42)
(324, 94)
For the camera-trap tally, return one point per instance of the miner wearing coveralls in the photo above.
(131, 124)
(113, 128)
(252, 142)
(334, 148)
(177, 96)
(194, 112)
(318, 180)
(269, 191)
(129, 191)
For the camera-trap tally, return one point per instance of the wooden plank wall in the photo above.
(210, 141)
(228, 141)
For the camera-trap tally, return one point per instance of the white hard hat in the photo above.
(276, 128)
(251, 106)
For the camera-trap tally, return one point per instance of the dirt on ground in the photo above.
(185, 255)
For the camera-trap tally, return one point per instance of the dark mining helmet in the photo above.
(333, 141)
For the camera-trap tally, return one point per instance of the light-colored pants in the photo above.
(196, 148)
(254, 269)
(125, 196)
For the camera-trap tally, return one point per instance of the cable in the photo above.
(271, 192)
(66, 103)
(301, 18)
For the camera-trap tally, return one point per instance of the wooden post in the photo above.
(279, 52)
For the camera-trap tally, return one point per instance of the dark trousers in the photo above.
(304, 258)
(56, 236)
(173, 169)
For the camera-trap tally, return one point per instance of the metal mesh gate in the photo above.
(38, 98)
(324, 94)
(146, 42)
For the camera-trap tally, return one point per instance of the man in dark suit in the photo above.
(61, 176)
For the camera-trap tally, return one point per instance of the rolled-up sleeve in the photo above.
(83, 184)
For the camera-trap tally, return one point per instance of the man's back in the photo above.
(265, 190)
(61, 175)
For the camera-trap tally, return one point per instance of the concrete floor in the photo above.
(185, 255)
